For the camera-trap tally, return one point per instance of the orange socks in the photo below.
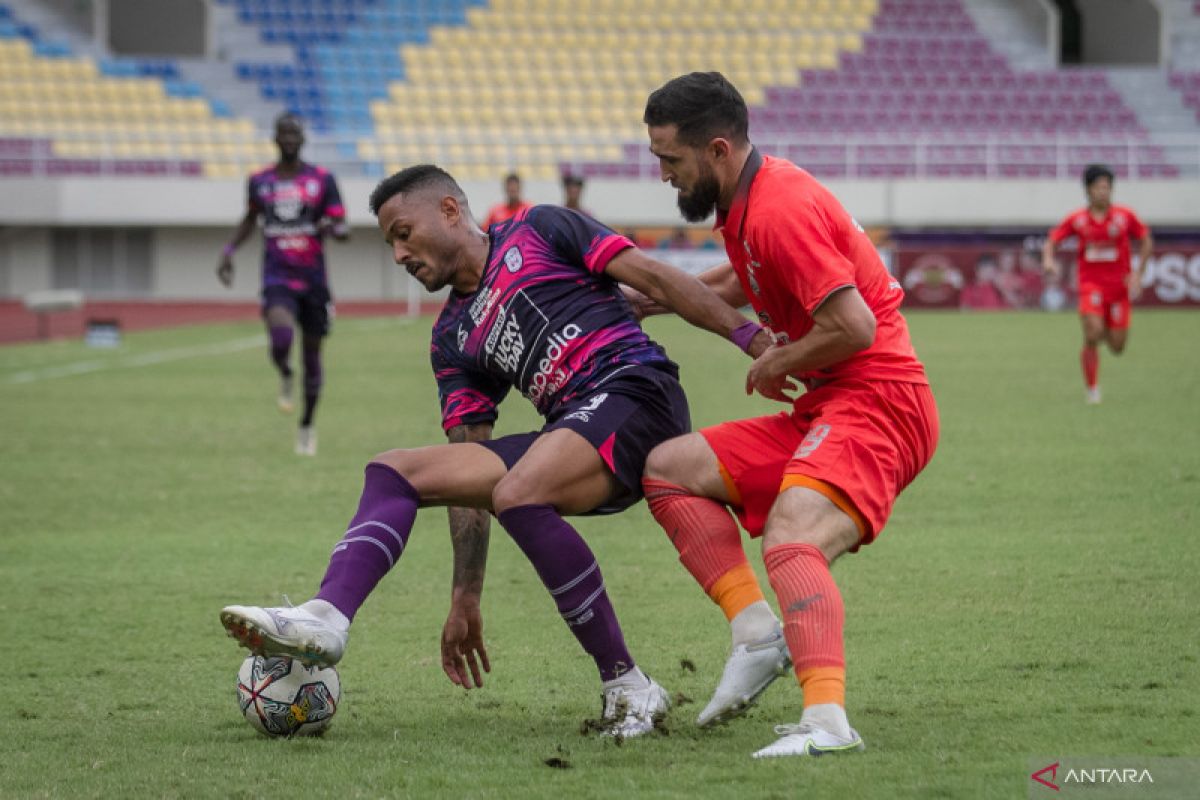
(1089, 359)
(709, 544)
(813, 620)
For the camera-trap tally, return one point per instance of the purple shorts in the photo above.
(312, 307)
(624, 419)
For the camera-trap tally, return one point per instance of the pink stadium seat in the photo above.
(924, 70)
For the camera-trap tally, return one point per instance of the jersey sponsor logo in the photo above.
(312, 187)
(493, 336)
(548, 378)
(513, 259)
(585, 414)
(288, 201)
(276, 230)
(482, 304)
(299, 243)
(1097, 252)
(812, 441)
(752, 268)
(511, 345)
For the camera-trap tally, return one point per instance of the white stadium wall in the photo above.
(192, 219)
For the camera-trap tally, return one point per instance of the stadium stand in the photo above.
(67, 115)
(527, 83)
(927, 95)
(871, 89)
(1185, 54)
(345, 52)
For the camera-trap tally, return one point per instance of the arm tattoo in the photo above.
(469, 526)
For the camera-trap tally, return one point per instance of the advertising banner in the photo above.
(1006, 273)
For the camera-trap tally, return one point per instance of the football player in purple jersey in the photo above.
(299, 204)
(534, 304)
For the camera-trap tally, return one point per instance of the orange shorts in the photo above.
(1110, 301)
(857, 442)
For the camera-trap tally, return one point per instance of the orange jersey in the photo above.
(1103, 244)
(503, 211)
(792, 245)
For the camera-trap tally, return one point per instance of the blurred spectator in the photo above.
(1008, 282)
(982, 294)
(678, 240)
(573, 194)
(635, 236)
(513, 202)
(1031, 281)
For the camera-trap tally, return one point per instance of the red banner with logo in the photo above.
(1009, 275)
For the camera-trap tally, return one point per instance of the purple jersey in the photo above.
(545, 319)
(291, 208)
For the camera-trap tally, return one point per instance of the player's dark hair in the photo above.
(1095, 172)
(569, 179)
(703, 105)
(288, 116)
(410, 179)
(512, 176)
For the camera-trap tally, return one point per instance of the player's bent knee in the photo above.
(673, 459)
(512, 491)
(403, 462)
(802, 516)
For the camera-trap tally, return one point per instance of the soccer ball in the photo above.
(281, 697)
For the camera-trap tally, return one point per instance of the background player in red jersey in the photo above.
(1108, 282)
(299, 204)
(512, 205)
(819, 480)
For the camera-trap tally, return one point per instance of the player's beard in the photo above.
(696, 205)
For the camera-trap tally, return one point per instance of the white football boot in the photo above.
(286, 631)
(306, 441)
(749, 671)
(1091, 395)
(809, 739)
(630, 712)
(284, 401)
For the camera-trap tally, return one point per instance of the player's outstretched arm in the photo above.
(463, 650)
(684, 294)
(724, 281)
(225, 265)
(1049, 263)
(721, 279)
(335, 227)
(842, 325)
(1145, 250)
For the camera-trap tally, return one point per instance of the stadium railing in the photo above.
(483, 153)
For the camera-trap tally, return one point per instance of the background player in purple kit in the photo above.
(534, 304)
(299, 204)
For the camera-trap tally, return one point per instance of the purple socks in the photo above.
(379, 531)
(281, 348)
(569, 570)
(313, 377)
(374, 540)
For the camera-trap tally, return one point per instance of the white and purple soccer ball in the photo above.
(279, 696)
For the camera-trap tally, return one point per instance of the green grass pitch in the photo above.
(1034, 594)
